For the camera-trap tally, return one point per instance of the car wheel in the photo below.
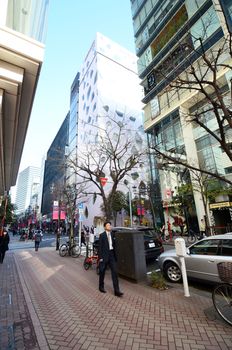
(172, 272)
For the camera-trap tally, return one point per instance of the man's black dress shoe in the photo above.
(102, 290)
(118, 294)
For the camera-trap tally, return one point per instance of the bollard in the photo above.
(181, 253)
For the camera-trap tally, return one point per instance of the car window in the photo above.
(207, 247)
(226, 249)
(150, 234)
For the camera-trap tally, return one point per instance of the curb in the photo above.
(41, 339)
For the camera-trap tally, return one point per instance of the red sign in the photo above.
(140, 211)
(103, 181)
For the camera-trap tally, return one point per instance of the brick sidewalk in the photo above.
(68, 312)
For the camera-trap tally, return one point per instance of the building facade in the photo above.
(108, 91)
(27, 189)
(170, 37)
(55, 170)
(22, 34)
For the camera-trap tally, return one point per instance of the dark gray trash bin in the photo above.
(131, 262)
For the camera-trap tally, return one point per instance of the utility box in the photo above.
(180, 247)
(131, 262)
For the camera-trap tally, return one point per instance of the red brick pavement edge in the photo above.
(16, 328)
(43, 345)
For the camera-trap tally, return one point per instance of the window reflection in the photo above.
(207, 247)
(226, 249)
(28, 17)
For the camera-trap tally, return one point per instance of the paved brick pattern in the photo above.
(74, 315)
(16, 329)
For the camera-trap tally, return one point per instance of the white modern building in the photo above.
(108, 90)
(22, 33)
(27, 189)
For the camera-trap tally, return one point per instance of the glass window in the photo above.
(178, 133)
(168, 138)
(119, 113)
(226, 249)
(141, 64)
(136, 24)
(88, 93)
(227, 6)
(28, 17)
(206, 159)
(148, 6)
(207, 247)
(205, 26)
(142, 15)
(228, 170)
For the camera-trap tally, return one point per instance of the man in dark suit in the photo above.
(107, 257)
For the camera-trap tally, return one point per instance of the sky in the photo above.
(71, 29)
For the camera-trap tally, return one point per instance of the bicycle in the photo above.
(72, 250)
(90, 261)
(193, 236)
(222, 293)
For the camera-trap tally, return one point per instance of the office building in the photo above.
(55, 170)
(27, 189)
(170, 36)
(22, 34)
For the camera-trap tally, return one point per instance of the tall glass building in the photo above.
(22, 34)
(170, 36)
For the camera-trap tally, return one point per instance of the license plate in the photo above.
(151, 245)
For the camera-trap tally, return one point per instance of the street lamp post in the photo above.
(56, 204)
(58, 228)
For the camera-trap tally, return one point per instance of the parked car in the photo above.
(152, 243)
(201, 259)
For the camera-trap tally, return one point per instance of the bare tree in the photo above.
(116, 151)
(71, 194)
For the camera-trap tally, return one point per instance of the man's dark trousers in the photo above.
(102, 268)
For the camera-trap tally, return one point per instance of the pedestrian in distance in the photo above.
(107, 256)
(202, 228)
(162, 230)
(83, 238)
(38, 239)
(4, 243)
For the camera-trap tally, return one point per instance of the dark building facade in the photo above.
(55, 169)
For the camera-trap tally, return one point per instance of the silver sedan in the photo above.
(201, 259)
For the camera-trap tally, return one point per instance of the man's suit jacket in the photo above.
(104, 250)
